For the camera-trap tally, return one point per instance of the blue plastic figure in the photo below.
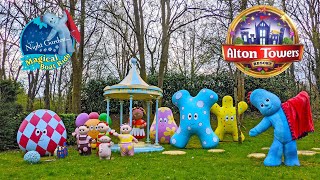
(269, 106)
(195, 118)
(59, 26)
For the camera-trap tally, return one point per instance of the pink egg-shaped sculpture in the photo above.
(166, 125)
(41, 131)
(81, 119)
(94, 115)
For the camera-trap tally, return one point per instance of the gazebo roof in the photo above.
(133, 85)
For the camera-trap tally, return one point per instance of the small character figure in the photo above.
(104, 130)
(92, 123)
(126, 145)
(84, 140)
(104, 147)
(138, 123)
(59, 27)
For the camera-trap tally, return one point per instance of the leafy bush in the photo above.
(68, 121)
(222, 84)
(10, 114)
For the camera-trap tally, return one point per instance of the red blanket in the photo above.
(72, 27)
(298, 113)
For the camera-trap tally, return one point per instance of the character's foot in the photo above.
(70, 50)
(62, 52)
(292, 162)
(272, 161)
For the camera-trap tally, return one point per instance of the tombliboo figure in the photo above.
(126, 139)
(84, 140)
(138, 123)
(104, 147)
(104, 130)
(291, 120)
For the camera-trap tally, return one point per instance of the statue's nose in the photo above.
(267, 104)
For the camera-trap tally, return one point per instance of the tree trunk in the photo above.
(139, 31)
(47, 91)
(165, 20)
(32, 89)
(77, 59)
(239, 90)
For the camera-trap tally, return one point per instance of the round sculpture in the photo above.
(41, 131)
(32, 157)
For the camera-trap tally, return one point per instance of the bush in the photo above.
(222, 84)
(68, 121)
(10, 114)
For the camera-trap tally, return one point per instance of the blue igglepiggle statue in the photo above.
(291, 120)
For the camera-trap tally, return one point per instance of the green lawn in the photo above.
(196, 164)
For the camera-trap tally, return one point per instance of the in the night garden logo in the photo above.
(47, 42)
(262, 41)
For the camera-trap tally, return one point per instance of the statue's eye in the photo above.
(91, 127)
(189, 116)
(195, 116)
(267, 100)
(165, 120)
(97, 127)
(262, 105)
(160, 120)
(38, 132)
(44, 131)
(227, 118)
(231, 118)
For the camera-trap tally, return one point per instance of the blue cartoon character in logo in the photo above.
(291, 120)
(59, 27)
(195, 118)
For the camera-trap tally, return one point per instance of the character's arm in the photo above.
(113, 132)
(64, 18)
(242, 107)
(261, 127)
(135, 140)
(215, 108)
(144, 124)
(52, 34)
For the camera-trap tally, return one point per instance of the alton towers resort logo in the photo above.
(262, 41)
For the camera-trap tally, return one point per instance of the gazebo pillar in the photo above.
(108, 107)
(157, 124)
(148, 121)
(121, 112)
(131, 101)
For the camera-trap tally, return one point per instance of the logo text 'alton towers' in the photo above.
(262, 41)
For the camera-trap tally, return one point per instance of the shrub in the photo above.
(68, 121)
(10, 114)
